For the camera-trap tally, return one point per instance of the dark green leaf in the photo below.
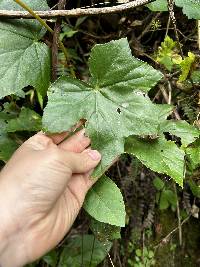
(28, 120)
(158, 183)
(104, 232)
(51, 258)
(7, 144)
(84, 250)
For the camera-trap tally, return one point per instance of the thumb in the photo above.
(82, 162)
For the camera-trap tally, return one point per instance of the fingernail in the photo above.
(94, 154)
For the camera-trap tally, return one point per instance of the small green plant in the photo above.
(165, 197)
(143, 258)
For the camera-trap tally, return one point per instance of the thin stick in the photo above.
(166, 97)
(173, 19)
(56, 34)
(179, 217)
(78, 12)
(166, 238)
(43, 23)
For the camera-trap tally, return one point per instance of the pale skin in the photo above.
(42, 189)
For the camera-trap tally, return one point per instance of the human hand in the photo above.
(42, 189)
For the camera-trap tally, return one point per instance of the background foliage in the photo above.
(133, 79)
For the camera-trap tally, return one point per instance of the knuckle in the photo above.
(54, 154)
(38, 142)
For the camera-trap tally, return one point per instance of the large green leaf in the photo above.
(28, 120)
(182, 129)
(112, 103)
(158, 5)
(24, 60)
(190, 7)
(160, 155)
(84, 250)
(105, 203)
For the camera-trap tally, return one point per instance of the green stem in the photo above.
(43, 23)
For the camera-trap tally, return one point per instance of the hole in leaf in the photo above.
(119, 110)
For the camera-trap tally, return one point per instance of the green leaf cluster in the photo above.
(165, 197)
(168, 56)
(11, 121)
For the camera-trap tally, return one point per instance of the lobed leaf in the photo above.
(112, 103)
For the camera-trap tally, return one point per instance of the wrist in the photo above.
(10, 253)
(12, 249)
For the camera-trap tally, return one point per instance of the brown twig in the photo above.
(166, 238)
(78, 12)
(166, 97)
(55, 44)
(148, 27)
